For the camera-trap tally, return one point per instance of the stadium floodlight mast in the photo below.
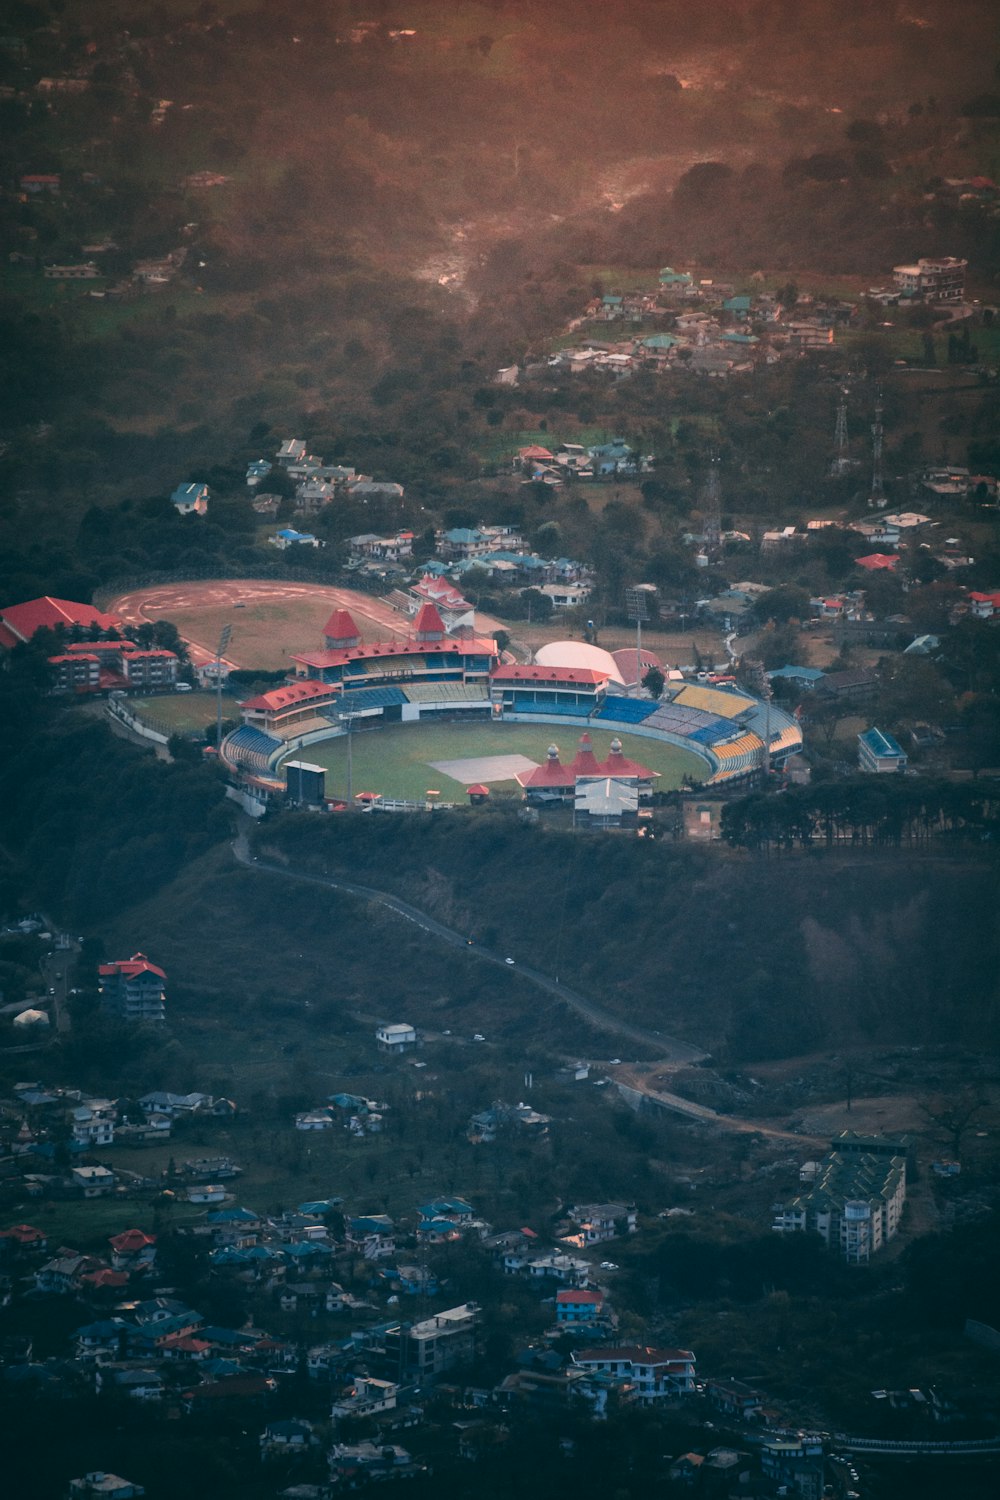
(637, 609)
(225, 637)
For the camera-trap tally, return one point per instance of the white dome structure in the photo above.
(29, 1018)
(580, 655)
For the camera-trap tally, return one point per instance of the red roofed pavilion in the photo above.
(340, 631)
(618, 764)
(550, 777)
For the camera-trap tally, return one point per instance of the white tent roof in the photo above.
(581, 655)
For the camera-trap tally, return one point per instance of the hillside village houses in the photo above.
(704, 327)
(154, 1347)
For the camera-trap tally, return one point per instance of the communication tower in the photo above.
(712, 509)
(876, 500)
(841, 463)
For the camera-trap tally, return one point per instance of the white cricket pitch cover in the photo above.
(484, 768)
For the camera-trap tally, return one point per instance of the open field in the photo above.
(271, 619)
(398, 761)
(183, 713)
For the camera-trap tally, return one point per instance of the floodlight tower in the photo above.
(841, 462)
(225, 637)
(712, 508)
(876, 500)
(637, 609)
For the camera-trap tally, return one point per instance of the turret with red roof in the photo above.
(340, 631)
(585, 762)
(428, 624)
(619, 765)
(551, 776)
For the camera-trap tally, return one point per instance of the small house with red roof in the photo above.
(877, 562)
(576, 1306)
(530, 457)
(134, 989)
(984, 606)
(133, 1250)
(22, 1239)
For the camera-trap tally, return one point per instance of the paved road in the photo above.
(669, 1049)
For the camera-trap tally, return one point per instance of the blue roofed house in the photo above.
(611, 458)
(739, 307)
(288, 537)
(878, 752)
(802, 678)
(371, 1234)
(257, 470)
(190, 499)
(447, 1208)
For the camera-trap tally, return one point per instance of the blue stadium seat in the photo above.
(252, 747)
(626, 710)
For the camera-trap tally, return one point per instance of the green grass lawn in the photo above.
(396, 760)
(183, 713)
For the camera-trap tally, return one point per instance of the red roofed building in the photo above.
(657, 1374)
(428, 625)
(877, 562)
(549, 782)
(622, 768)
(105, 1279)
(984, 606)
(585, 762)
(628, 659)
(97, 666)
(133, 989)
(574, 1306)
(340, 631)
(23, 1237)
(76, 672)
(454, 608)
(541, 690)
(19, 622)
(132, 1250)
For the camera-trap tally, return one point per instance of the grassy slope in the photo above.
(754, 959)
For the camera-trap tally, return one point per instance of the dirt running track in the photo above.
(376, 619)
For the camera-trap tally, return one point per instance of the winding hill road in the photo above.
(632, 1080)
(668, 1049)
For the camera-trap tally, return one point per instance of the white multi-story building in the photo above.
(939, 279)
(855, 1204)
(656, 1374)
